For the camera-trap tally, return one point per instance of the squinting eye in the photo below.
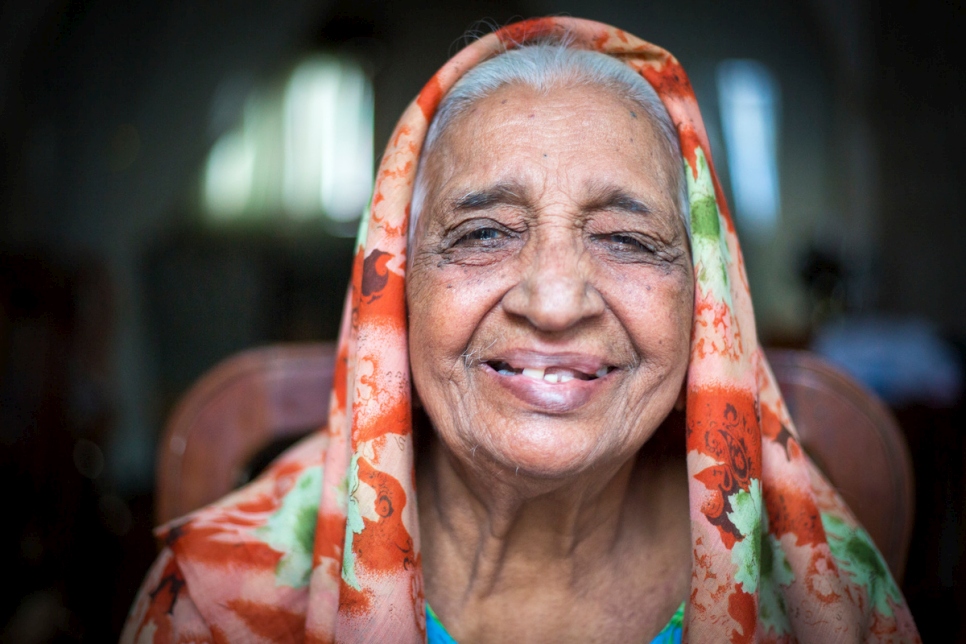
(626, 242)
(482, 235)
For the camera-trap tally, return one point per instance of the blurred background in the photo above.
(180, 180)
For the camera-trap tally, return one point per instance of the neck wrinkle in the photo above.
(491, 535)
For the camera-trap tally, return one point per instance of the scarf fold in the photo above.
(776, 555)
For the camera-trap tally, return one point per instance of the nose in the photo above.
(554, 292)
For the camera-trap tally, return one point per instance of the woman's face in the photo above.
(550, 291)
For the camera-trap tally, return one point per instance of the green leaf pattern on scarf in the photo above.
(706, 230)
(746, 516)
(291, 529)
(354, 525)
(854, 552)
(775, 571)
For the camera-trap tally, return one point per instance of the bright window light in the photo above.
(304, 152)
(749, 100)
(228, 175)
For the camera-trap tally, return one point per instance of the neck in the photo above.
(489, 533)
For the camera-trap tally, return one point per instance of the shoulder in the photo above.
(862, 568)
(162, 610)
(818, 560)
(241, 564)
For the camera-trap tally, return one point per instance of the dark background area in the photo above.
(116, 293)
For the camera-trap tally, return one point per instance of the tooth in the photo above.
(506, 372)
(566, 377)
(552, 377)
(536, 374)
(602, 372)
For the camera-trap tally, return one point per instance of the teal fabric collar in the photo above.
(670, 634)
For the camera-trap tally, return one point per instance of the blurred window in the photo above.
(749, 100)
(302, 151)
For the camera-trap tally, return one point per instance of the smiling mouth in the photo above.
(547, 374)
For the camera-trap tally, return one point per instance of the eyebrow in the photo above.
(614, 198)
(501, 193)
(602, 197)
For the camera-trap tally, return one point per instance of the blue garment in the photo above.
(670, 634)
(435, 632)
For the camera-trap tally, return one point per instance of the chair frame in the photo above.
(883, 504)
(242, 404)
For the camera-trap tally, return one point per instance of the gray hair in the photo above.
(543, 67)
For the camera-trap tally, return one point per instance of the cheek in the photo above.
(658, 311)
(427, 301)
(447, 305)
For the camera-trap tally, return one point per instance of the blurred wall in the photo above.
(106, 118)
(919, 118)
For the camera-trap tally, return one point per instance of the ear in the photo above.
(682, 402)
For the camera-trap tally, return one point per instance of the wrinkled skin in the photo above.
(554, 256)
(551, 241)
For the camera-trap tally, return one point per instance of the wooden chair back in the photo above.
(236, 409)
(262, 395)
(855, 440)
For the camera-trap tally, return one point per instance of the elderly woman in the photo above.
(549, 277)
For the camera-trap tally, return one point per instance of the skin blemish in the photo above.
(633, 114)
(503, 102)
(531, 116)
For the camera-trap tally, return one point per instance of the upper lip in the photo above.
(528, 358)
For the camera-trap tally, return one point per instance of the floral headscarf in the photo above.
(325, 546)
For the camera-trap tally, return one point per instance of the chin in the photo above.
(548, 450)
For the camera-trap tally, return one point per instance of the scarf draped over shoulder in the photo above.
(325, 545)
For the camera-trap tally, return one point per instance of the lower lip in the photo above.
(549, 397)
